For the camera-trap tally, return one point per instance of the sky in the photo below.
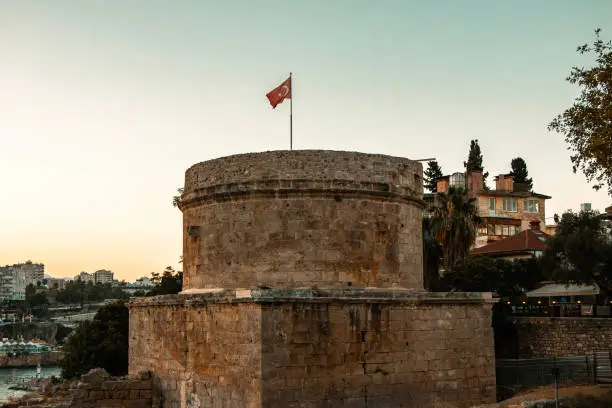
(105, 104)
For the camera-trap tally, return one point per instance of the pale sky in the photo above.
(105, 104)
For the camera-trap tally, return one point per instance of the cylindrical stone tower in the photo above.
(302, 219)
(303, 287)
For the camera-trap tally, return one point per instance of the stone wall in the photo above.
(304, 242)
(31, 360)
(96, 389)
(300, 165)
(208, 351)
(376, 354)
(302, 219)
(291, 349)
(562, 336)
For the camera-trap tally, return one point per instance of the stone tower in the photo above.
(303, 287)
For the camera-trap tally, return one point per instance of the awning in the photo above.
(561, 289)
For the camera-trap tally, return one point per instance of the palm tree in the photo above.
(454, 224)
(432, 255)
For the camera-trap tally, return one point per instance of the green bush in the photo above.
(103, 342)
(62, 333)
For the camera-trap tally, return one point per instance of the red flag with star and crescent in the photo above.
(279, 94)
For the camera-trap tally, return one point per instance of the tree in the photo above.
(36, 302)
(176, 200)
(479, 273)
(587, 124)
(432, 173)
(70, 293)
(432, 256)
(519, 172)
(39, 304)
(103, 342)
(30, 291)
(455, 222)
(474, 161)
(579, 252)
(155, 277)
(80, 292)
(171, 282)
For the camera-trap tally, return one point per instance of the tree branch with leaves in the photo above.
(587, 124)
(176, 200)
(579, 252)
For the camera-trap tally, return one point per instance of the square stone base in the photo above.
(353, 348)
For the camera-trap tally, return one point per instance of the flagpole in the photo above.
(291, 112)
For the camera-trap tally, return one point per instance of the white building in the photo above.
(85, 277)
(103, 276)
(15, 278)
(143, 282)
(34, 273)
(19, 283)
(6, 283)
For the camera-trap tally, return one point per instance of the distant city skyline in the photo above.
(104, 105)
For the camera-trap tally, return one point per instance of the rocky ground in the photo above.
(96, 389)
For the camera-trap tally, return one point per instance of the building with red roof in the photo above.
(525, 244)
(506, 210)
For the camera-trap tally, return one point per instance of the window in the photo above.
(510, 205)
(492, 203)
(503, 230)
(457, 180)
(532, 206)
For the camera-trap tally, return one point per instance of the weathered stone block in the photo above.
(366, 363)
(293, 226)
(278, 250)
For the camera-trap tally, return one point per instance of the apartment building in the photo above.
(85, 277)
(103, 276)
(6, 283)
(20, 281)
(506, 210)
(33, 273)
(12, 283)
(15, 278)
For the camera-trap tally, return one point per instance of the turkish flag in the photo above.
(279, 94)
